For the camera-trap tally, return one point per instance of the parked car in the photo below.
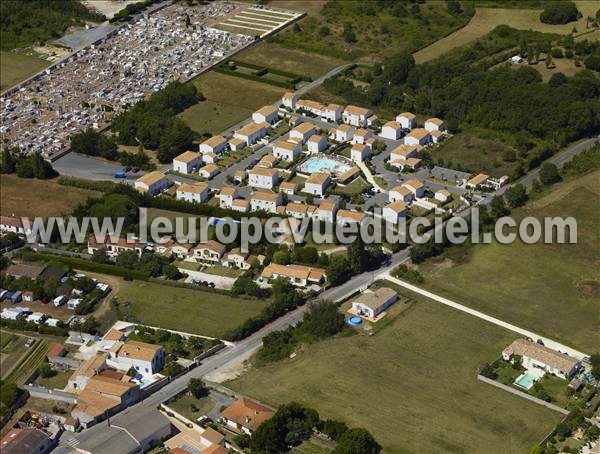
(30, 342)
(126, 169)
(120, 175)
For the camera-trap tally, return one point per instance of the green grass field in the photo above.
(17, 66)
(193, 311)
(213, 117)
(30, 197)
(412, 385)
(474, 154)
(28, 362)
(548, 288)
(276, 56)
(486, 19)
(183, 406)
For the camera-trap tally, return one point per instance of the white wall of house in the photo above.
(187, 167)
(192, 196)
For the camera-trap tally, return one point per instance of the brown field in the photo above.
(278, 57)
(486, 19)
(236, 91)
(30, 197)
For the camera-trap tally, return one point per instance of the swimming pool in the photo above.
(324, 164)
(525, 380)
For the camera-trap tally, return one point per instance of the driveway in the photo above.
(222, 282)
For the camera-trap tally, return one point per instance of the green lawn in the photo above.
(182, 309)
(473, 154)
(412, 384)
(18, 66)
(358, 186)
(551, 289)
(183, 406)
(58, 381)
(213, 117)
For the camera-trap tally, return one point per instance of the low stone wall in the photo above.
(51, 394)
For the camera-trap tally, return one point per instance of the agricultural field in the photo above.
(473, 154)
(345, 29)
(412, 384)
(229, 100)
(16, 66)
(274, 55)
(534, 286)
(31, 197)
(194, 311)
(213, 117)
(24, 361)
(486, 19)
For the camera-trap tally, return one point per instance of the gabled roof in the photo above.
(398, 206)
(304, 128)
(358, 111)
(478, 179)
(139, 350)
(263, 171)
(409, 115)
(265, 196)
(214, 141)
(213, 246)
(435, 121)
(317, 178)
(267, 110)
(354, 215)
(187, 156)
(392, 124)
(151, 178)
(416, 184)
(228, 191)
(419, 133)
(247, 413)
(196, 188)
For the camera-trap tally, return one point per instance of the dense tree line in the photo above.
(25, 22)
(462, 88)
(132, 9)
(32, 166)
(559, 12)
(153, 122)
(285, 298)
(322, 320)
(294, 423)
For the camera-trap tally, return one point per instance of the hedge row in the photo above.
(277, 83)
(278, 72)
(86, 265)
(102, 186)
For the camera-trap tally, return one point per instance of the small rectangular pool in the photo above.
(525, 380)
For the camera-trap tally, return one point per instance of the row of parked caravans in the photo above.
(18, 296)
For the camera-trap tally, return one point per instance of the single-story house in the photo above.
(246, 415)
(477, 181)
(371, 304)
(534, 355)
(298, 275)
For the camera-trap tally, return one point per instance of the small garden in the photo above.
(174, 344)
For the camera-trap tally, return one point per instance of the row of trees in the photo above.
(294, 423)
(322, 320)
(153, 122)
(33, 166)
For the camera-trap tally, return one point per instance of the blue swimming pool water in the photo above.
(354, 321)
(325, 165)
(525, 380)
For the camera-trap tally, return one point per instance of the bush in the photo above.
(403, 272)
(559, 12)
(549, 173)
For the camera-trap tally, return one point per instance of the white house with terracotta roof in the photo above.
(236, 144)
(268, 161)
(400, 193)
(187, 162)
(289, 100)
(145, 358)
(261, 177)
(347, 217)
(442, 195)
(207, 253)
(435, 124)
(333, 113)
(407, 120)
(391, 130)
(326, 211)
(266, 114)
(361, 136)
(152, 183)
(356, 116)
(540, 357)
(286, 151)
(317, 183)
(403, 152)
(316, 143)
(394, 212)
(342, 133)
(315, 108)
(252, 132)
(210, 158)
(197, 192)
(418, 136)
(226, 196)
(349, 175)
(303, 132)
(238, 259)
(298, 275)
(13, 224)
(115, 245)
(299, 210)
(246, 415)
(209, 171)
(265, 201)
(416, 187)
(477, 181)
(287, 187)
(216, 144)
(359, 153)
(241, 205)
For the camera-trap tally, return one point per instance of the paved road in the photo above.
(560, 159)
